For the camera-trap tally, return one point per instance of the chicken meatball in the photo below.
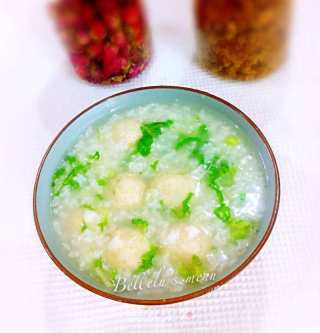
(125, 249)
(128, 191)
(183, 241)
(174, 188)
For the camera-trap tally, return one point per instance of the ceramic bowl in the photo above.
(98, 113)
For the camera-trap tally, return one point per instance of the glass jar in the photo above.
(107, 40)
(242, 39)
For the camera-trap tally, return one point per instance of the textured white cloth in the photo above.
(278, 292)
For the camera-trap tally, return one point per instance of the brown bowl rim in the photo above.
(191, 295)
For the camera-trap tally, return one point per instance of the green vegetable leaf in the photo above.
(98, 263)
(191, 269)
(220, 171)
(84, 227)
(95, 156)
(99, 196)
(102, 181)
(71, 159)
(155, 128)
(150, 131)
(154, 165)
(107, 276)
(73, 184)
(59, 173)
(198, 140)
(242, 196)
(147, 260)
(88, 206)
(185, 209)
(203, 132)
(185, 140)
(198, 154)
(223, 213)
(213, 169)
(231, 140)
(145, 143)
(227, 179)
(163, 207)
(143, 224)
(103, 223)
(71, 170)
(218, 192)
(240, 229)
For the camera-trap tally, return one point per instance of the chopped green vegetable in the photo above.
(227, 179)
(107, 276)
(220, 170)
(97, 263)
(102, 181)
(73, 184)
(218, 193)
(150, 131)
(71, 159)
(185, 140)
(192, 269)
(99, 196)
(84, 227)
(231, 140)
(223, 213)
(147, 260)
(198, 155)
(197, 152)
(88, 206)
(58, 173)
(145, 143)
(154, 165)
(103, 223)
(155, 128)
(240, 229)
(163, 207)
(185, 210)
(213, 170)
(95, 156)
(198, 139)
(201, 136)
(143, 224)
(73, 168)
(242, 196)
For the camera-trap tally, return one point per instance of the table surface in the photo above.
(278, 292)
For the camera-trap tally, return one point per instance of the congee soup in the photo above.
(158, 200)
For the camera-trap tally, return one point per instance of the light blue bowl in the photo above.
(97, 114)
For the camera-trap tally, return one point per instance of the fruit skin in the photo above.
(83, 38)
(94, 50)
(80, 63)
(98, 31)
(107, 41)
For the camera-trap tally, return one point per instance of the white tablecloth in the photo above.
(278, 292)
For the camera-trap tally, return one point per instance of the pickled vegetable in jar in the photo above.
(242, 39)
(107, 41)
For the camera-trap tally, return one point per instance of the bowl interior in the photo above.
(98, 114)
